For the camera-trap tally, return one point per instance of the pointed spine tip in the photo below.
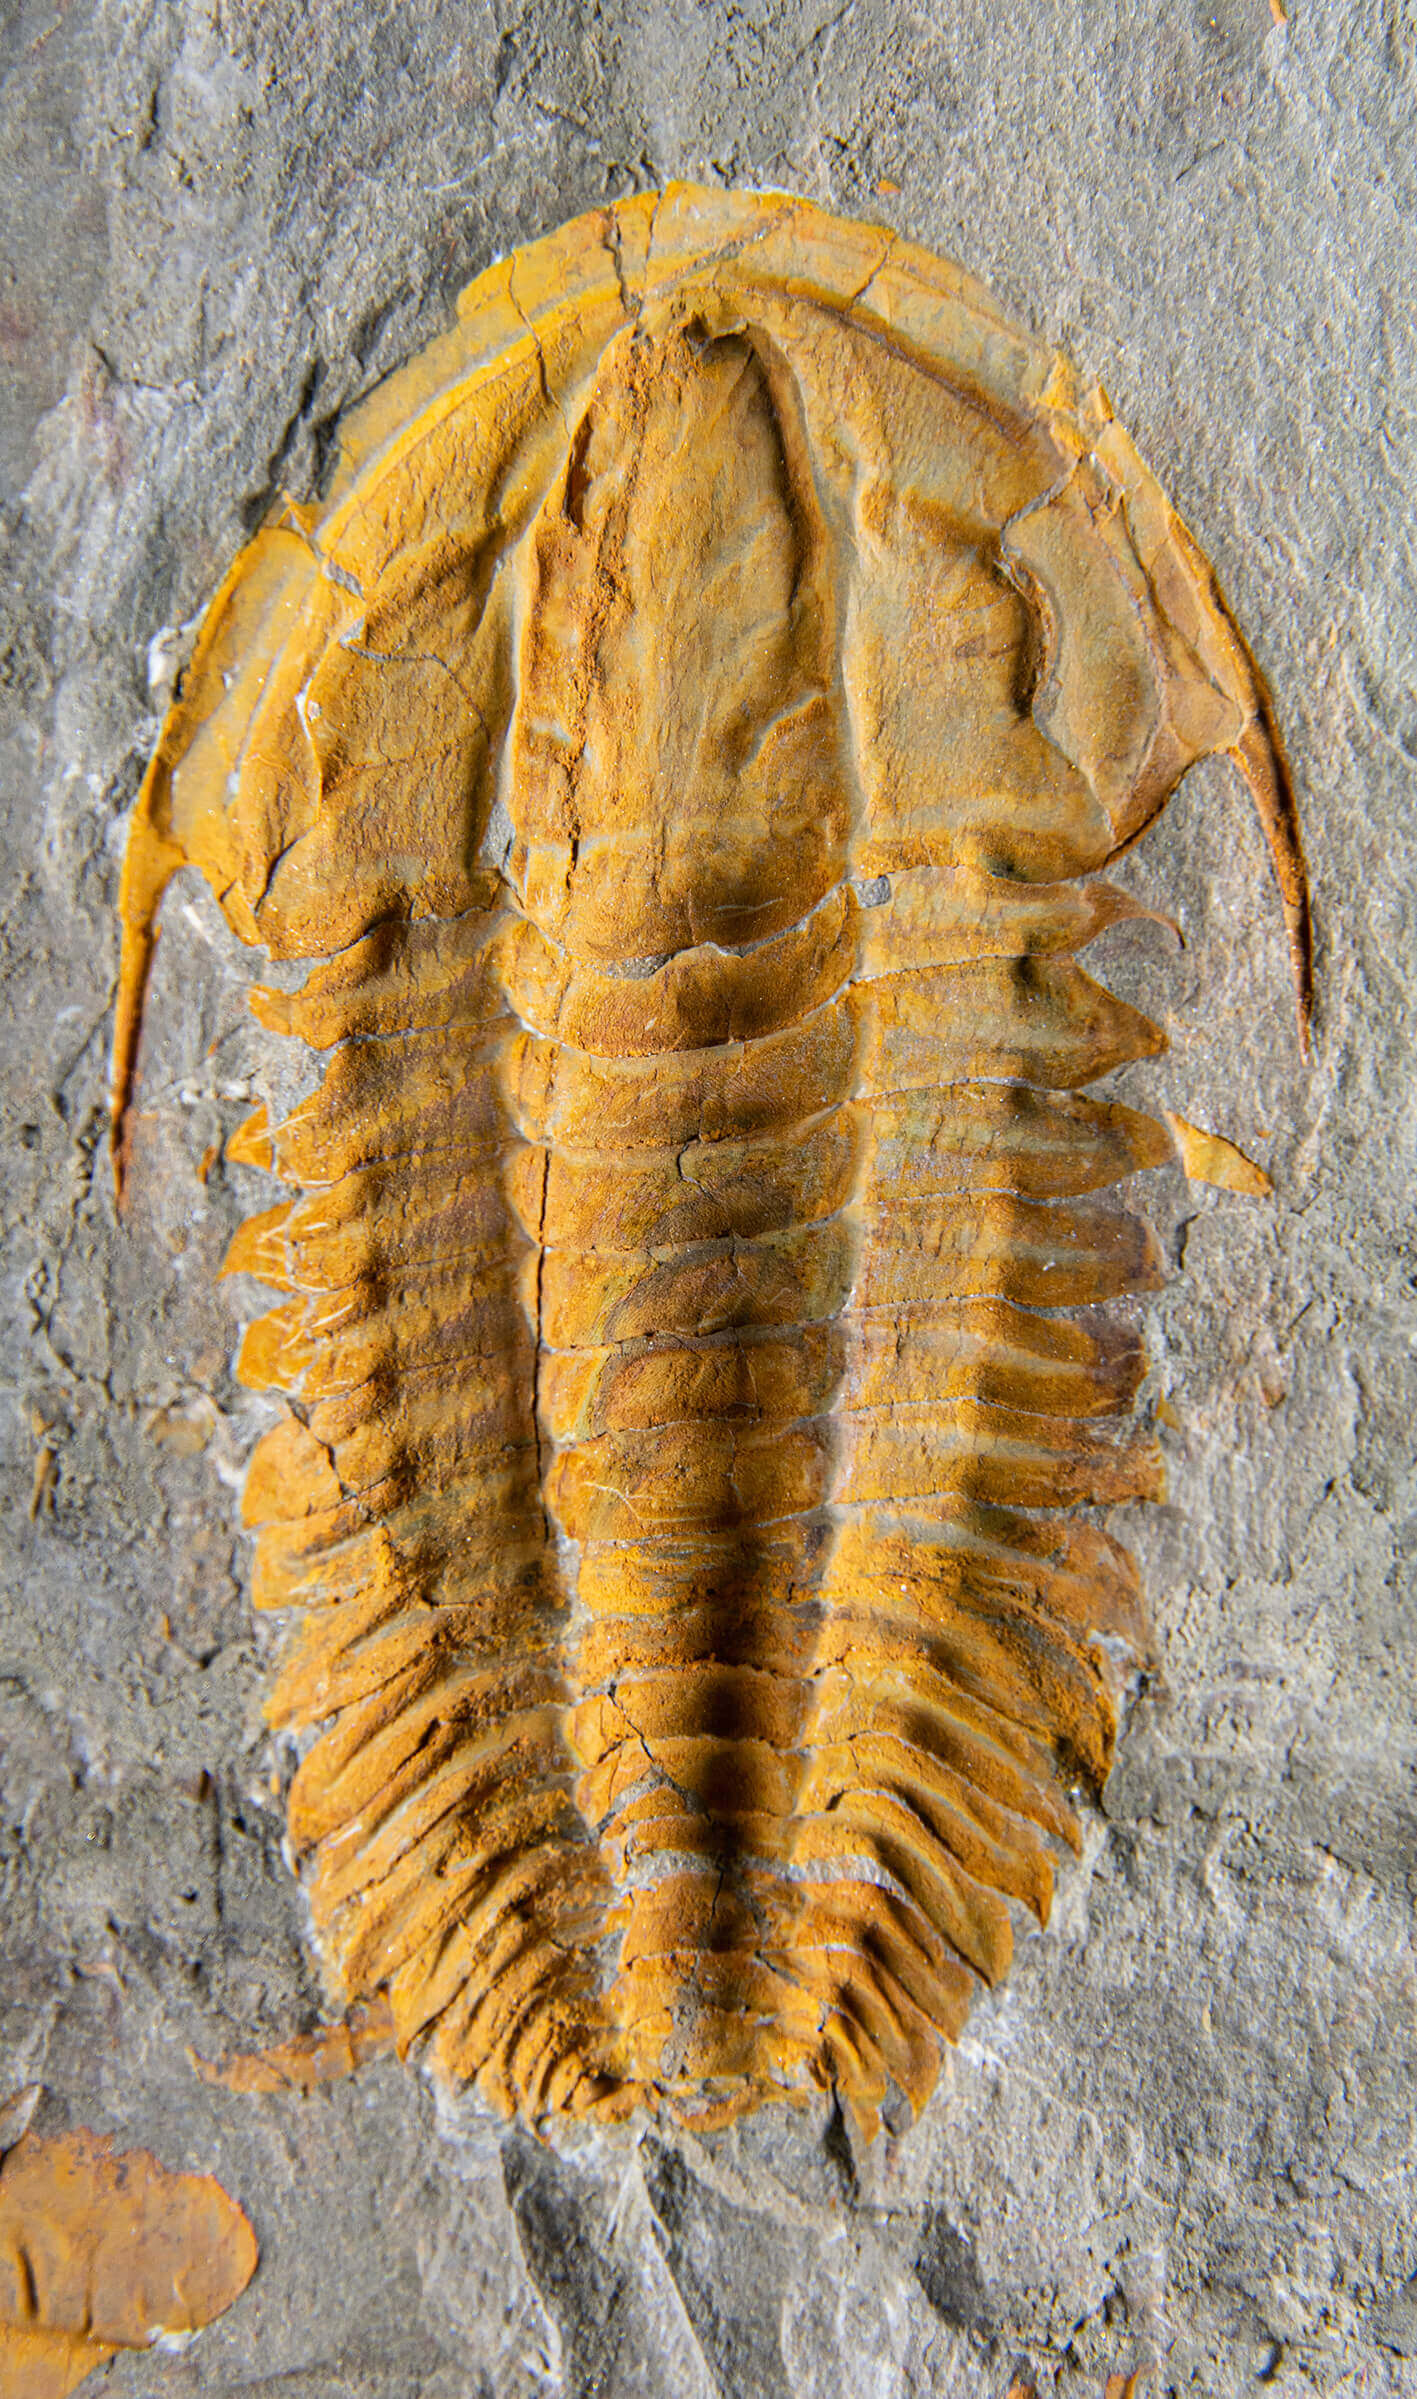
(150, 861)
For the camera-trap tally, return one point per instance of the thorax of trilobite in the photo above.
(685, 743)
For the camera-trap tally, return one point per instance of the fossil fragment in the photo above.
(308, 2060)
(102, 2251)
(685, 745)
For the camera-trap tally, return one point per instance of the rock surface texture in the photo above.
(1178, 2137)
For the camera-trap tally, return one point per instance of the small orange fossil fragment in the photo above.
(1210, 1158)
(308, 2060)
(103, 2250)
(686, 747)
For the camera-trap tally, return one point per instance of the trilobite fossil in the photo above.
(684, 744)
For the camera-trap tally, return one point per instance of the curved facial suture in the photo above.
(686, 746)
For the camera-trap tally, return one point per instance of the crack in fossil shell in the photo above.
(686, 746)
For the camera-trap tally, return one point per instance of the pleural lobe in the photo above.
(687, 746)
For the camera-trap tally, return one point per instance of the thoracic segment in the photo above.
(679, 1398)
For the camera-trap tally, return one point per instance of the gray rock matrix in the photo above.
(1180, 2138)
